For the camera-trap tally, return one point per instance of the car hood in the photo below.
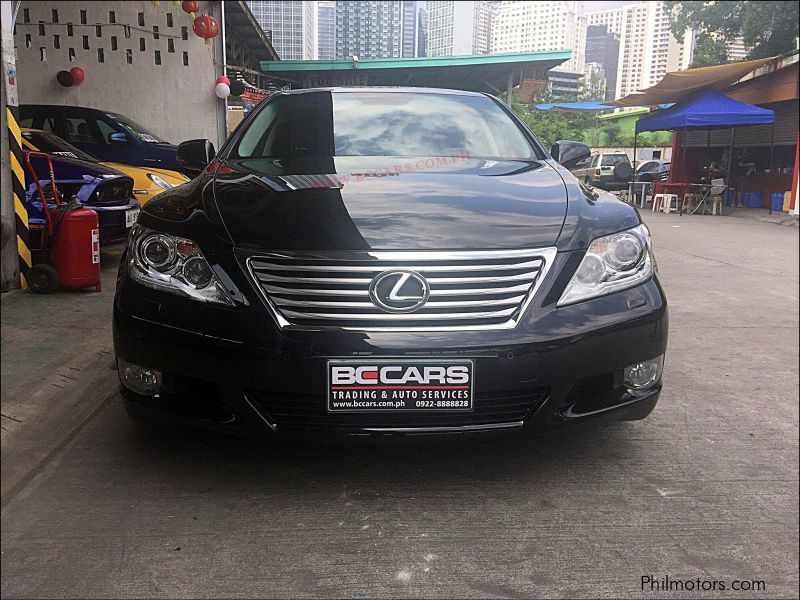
(68, 167)
(166, 146)
(387, 203)
(172, 177)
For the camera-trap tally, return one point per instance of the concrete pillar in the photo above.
(509, 87)
(220, 59)
(10, 177)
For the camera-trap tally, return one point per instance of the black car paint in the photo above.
(237, 208)
(134, 151)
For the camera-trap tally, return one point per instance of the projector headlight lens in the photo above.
(611, 263)
(173, 264)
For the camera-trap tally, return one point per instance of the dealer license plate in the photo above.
(130, 217)
(364, 385)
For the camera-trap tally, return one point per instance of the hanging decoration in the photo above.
(65, 78)
(237, 87)
(78, 75)
(223, 79)
(75, 76)
(206, 27)
(222, 90)
(191, 7)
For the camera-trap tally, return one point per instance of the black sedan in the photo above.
(370, 260)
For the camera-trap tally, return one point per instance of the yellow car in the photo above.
(147, 182)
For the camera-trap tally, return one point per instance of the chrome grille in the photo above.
(298, 411)
(468, 290)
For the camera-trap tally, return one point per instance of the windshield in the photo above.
(383, 124)
(47, 142)
(609, 160)
(139, 131)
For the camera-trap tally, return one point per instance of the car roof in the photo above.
(386, 89)
(60, 106)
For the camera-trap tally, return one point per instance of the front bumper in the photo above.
(232, 369)
(113, 228)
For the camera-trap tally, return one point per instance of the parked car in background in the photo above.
(96, 186)
(652, 170)
(606, 170)
(147, 182)
(387, 261)
(108, 136)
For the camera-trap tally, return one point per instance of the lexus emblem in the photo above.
(399, 291)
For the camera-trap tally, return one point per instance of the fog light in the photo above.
(645, 374)
(140, 380)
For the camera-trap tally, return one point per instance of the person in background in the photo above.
(743, 166)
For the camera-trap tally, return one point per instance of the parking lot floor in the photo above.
(706, 487)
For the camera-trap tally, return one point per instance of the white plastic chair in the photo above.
(668, 200)
(717, 193)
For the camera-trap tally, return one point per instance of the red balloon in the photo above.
(190, 6)
(223, 79)
(77, 75)
(206, 27)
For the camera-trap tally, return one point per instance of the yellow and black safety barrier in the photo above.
(18, 180)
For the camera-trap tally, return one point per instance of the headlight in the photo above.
(159, 181)
(612, 263)
(173, 264)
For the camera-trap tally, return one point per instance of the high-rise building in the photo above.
(291, 25)
(537, 26)
(602, 49)
(377, 29)
(326, 27)
(408, 48)
(564, 85)
(470, 19)
(647, 48)
(737, 50)
(421, 33)
(595, 81)
(612, 19)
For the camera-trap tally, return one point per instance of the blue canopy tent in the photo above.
(586, 106)
(705, 109)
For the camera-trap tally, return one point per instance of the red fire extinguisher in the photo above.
(73, 232)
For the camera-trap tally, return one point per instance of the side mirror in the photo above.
(194, 155)
(118, 138)
(571, 155)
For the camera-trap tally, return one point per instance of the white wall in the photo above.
(642, 154)
(175, 101)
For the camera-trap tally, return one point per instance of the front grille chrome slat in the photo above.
(284, 291)
(528, 276)
(467, 290)
(534, 264)
(417, 316)
(514, 300)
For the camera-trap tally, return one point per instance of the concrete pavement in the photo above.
(705, 488)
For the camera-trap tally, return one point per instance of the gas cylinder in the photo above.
(76, 250)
